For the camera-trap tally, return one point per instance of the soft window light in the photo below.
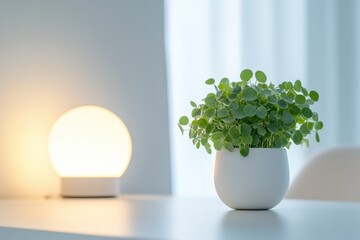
(90, 148)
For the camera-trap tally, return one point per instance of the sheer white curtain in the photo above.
(202, 41)
(333, 67)
(314, 41)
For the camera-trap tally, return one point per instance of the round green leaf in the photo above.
(229, 146)
(285, 97)
(224, 100)
(218, 145)
(237, 89)
(266, 92)
(291, 96)
(280, 142)
(224, 81)
(255, 139)
(261, 131)
(202, 123)
(319, 125)
(194, 123)
(304, 91)
(249, 94)
(210, 81)
(236, 142)
(310, 125)
(222, 112)
(273, 127)
(244, 151)
(234, 106)
(234, 133)
(277, 143)
(287, 118)
(193, 104)
(289, 85)
(300, 120)
(304, 129)
(195, 112)
(300, 99)
(306, 112)
(261, 112)
(314, 96)
(297, 86)
(204, 141)
(274, 115)
(250, 110)
(216, 135)
(219, 94)
(246, 75)
(260, 76)
(282, 104)
(247, 139)
(315, 116)
(239, 113)
(210, 112)
(245, 129)
(228, 119)
(210, 100)
(283, 141)
(309, 102)
(295, 110)
(184, 120)
(297, 137)
(208, 149)
(192, 133)
(209, 128)
(232, 97)
(272, 99)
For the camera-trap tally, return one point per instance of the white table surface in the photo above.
(151, 217)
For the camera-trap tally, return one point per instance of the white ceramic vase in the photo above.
(258, 181)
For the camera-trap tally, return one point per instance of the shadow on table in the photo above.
(252, 225)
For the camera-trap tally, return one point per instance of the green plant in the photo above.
(252, 114)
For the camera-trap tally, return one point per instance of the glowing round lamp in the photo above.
(90, 148)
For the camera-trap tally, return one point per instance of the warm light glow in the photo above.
(90, 141)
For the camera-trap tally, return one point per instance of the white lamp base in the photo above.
(89, 187)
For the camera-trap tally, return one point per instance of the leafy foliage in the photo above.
(253, 114)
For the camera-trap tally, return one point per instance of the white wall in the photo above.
(56, 55)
